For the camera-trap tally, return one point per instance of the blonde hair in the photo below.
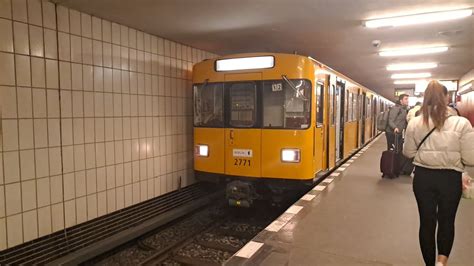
(434, 104)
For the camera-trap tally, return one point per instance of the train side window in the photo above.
(286, 105)
(351, 110)
(242, 99)
(319, 104)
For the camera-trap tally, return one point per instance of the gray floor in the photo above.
(360, 220)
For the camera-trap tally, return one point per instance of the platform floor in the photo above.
(355, 219)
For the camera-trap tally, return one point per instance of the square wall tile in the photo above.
(49, 15)
(26, 133)
(91, 181)
(70, 213)
(42, 162)
(36, 41)
(3, 231)
(77, 77)
(79, 159)
(57, 217)
(86, 23)
(81, 210)
(87, 76)
(50, 44)
(15, 232)
(30, 225)
(23, 72)
(96, 28)
(106, 31)
(38, 75)
(66, 126)
(44, 221)
(55, 167)
(65, 75)
(80, 179)
(8, 102)
(20, 12)
(43, 188)
(13, 199)
(6, 31)
(76, 49)
(53, 103)
(28, 192)
(39, 103)
(64, 41)
(22, 43)
(87, 51)
(63, 18)
(102, 203)
(69, 186)
(7, 69)
(52, 74)
(10, 135)
(5, 12)
(56, 183)
(27, 159)
(41, 133)
(91, 206)
(34, 12)
(75, 22)
(97, 53)
(25, 103)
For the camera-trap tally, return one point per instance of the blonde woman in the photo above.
(441, 145)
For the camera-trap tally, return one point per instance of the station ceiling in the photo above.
(330, 31)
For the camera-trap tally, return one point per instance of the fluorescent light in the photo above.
(414, 51)
(407, 81)
(394, 67)
(411, 75)
(245, 63)
(418, 18)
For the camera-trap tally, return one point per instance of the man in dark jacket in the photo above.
(397, 122)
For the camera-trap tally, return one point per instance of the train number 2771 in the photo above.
(241, 162)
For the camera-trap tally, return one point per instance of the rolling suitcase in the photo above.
(390, 162)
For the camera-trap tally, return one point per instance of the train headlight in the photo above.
(290, 155)
(202, 150)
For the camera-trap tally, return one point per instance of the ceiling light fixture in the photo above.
(411, 66)
(418, 18)
(408, 81)
(414, 51)
(411, 75)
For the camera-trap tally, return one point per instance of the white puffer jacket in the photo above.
(452, 147)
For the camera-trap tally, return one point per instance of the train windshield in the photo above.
(209, 105)
(287, 104)
(284, 104)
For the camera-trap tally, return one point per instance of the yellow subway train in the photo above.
(270, 124)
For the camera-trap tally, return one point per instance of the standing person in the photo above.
(413, 111)
(397, 122)
(439, 162)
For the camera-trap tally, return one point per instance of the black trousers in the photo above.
(437, 193)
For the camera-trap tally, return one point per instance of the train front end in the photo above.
(253, 124)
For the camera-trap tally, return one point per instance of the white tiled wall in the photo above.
(96, 117)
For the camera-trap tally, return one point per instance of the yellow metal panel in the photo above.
(238, 142)
(332, 146)
(273, 141)
(214, 138)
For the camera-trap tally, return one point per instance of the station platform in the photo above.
(354, 217)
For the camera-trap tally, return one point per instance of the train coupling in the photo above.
(241, 194)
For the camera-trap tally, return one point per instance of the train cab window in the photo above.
(319, 104)
(286, 105)
(208, 105)
(242, 99)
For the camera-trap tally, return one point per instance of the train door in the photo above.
(340, 96)
(364, 112)
(374, 120)
(243, 134)
(319, 144)
(332, 123)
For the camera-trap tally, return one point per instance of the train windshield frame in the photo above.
(265, 104)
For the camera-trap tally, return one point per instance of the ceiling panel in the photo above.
(329, 30)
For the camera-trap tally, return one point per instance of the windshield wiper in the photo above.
(293, 87)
